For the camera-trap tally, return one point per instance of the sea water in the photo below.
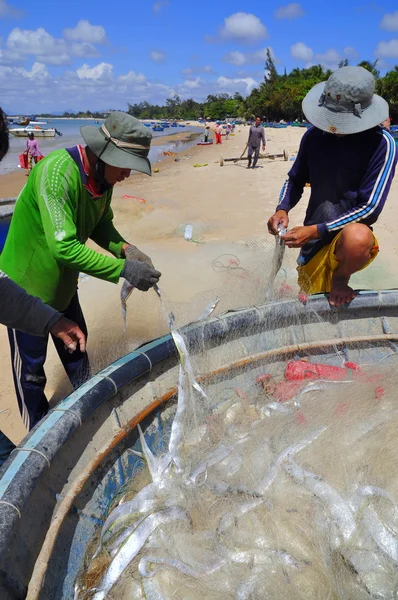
(70, 129)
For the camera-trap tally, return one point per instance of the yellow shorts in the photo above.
(316, 276)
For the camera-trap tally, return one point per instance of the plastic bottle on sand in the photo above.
(188, 233)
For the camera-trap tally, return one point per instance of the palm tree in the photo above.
(371, 67)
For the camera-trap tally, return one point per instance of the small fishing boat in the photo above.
(280, 125)
(174, 124)
(181, 125)
(147, 124)
(36, 130)
(204, 143)
(164, 125)
(157, 128)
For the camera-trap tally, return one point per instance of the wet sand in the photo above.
(231, 256)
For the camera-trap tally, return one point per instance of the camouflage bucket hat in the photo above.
(345, 103)
(121, 141)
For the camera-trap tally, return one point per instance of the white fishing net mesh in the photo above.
(277, 482)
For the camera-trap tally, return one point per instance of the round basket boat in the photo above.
(56, 486)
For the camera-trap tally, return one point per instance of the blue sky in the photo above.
(94, 55)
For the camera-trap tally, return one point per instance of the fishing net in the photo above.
(273, 476)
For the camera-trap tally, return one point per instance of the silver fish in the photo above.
(125, 294)
(144, 501)
(152, 590)
(209, 309)
(289, 451)
(382, 536)
(339, 509)
(176, 427)
(319, 385)
(144, 571)
(133, 545)
(185, 361)
(157, 465)
(277, 261)
(367, 491)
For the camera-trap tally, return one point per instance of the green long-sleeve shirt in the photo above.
(53, 218)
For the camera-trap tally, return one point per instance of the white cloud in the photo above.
(234, 84)
(85, 32)
(301, 52)
(243, 27)
(390, 21)
(350, 52)
(235, 58)
(387, 49)
(49, 50)
(133, 77)
(83, 50)
(22, 43)
(158, 56)
(250, 58)
(193, 84)
(9, 11)
(197, 69)
(101, 71)
(291, 11)
(329, 59)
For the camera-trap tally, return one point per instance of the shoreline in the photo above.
(11, 183)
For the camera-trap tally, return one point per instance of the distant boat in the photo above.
(280, 125)
(36, 130)
(147, 124)
(181, 125)
(174, 124)
(39, 122)
(157, 128)
(164, 124)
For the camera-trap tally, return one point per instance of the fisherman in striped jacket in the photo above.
(349, 161)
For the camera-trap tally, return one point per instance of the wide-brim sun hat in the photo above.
(345, 103)
(121, 141)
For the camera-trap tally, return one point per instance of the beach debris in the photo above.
(200, 164)
(127, 197)
(169, 153)
(156, 170)
(188, 232)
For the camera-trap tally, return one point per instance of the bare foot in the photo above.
(341, 293)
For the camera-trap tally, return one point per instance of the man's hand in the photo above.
(263, 148)
(133, 253)
(299, 236)
(71, 335)
(278, 221)
(140, 274)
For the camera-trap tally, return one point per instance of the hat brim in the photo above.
(124, 158)
(339, 122)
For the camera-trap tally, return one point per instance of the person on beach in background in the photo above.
(32, 150)
(207, 132)
(21, 311)
(228, 130)
(66, 201)
(256, 136)
(349, 160)
(217, 131)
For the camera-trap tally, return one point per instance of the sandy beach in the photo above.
(230, 255)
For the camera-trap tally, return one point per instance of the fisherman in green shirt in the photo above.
(66, 201)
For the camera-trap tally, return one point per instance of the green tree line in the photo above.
(279, 96)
